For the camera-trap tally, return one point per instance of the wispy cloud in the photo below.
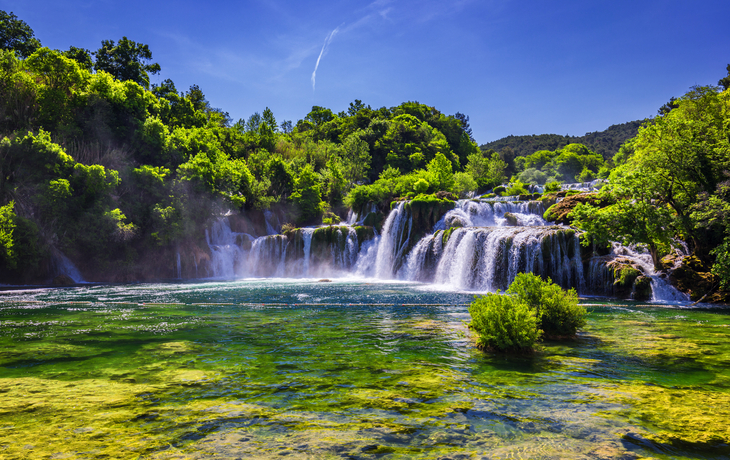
(326, 45)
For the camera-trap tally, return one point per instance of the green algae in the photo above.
(177, 380)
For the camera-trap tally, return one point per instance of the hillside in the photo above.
(605, 143)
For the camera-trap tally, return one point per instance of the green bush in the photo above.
(504, 323)
(552, 186)
(529, 309)
(557, 309)
(515, 188)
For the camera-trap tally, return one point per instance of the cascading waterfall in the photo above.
(660, 287)
(392, 243)
(64, 266)
(479, 245)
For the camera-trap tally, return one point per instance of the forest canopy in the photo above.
(117, 173)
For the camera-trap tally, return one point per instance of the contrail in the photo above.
(327, 41)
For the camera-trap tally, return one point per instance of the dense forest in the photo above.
(605, 143)
(116, 174)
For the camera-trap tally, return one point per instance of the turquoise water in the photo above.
(347, 369)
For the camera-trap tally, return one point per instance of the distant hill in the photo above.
(605, 143)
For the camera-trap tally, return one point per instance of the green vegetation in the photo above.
(117, 174)
(530, 309)
(504, 323)
(671, 183)
(604, 143)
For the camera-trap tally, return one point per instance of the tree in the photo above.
(356, 158)
(81, 55)
(678, 158)
(7, 226)
(16, 35)
(308, 195)
(355, 107)
(464, 120)
(442, 176)
(268, 117)
(488, 172)
(126, 60)
(197, 98)
(725, 82)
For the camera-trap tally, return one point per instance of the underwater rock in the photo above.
(63, 280)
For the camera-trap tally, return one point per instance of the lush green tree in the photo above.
(488, 172)
(126, 60)
(557, 310)
(441, 173)
(677, 158)
(504, 323)
(464, 183)
(573, 159)
(308, 195)
(7, 227)
(16, 35)
(82, 56)
(355, 158)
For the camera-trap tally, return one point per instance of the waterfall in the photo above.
(179, 267)
(391, 243)
(479, 245)
(660, 287)
(226, 254)
(307, 234)
(63, 266)
(271, 229)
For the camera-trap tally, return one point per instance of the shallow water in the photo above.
(347, 369)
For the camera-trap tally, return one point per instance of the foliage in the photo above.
(16, 35)
(126, 60)
(557, 310)
(307, 196)
(514, 189)
(529, 309)
(7, 227)
(676, 167)
(504, 323)
(604, 143)
(486, 171)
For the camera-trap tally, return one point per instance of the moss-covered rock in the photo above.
(426, 210)
(625, 274)
(560, 211)
(642, 288)
(511, 219)
(374, 219)
(693, 277)
(364, 233)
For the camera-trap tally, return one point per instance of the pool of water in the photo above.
(347, 369)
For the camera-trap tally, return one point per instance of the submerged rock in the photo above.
(63, 280)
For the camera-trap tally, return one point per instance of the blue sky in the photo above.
(515, 67)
